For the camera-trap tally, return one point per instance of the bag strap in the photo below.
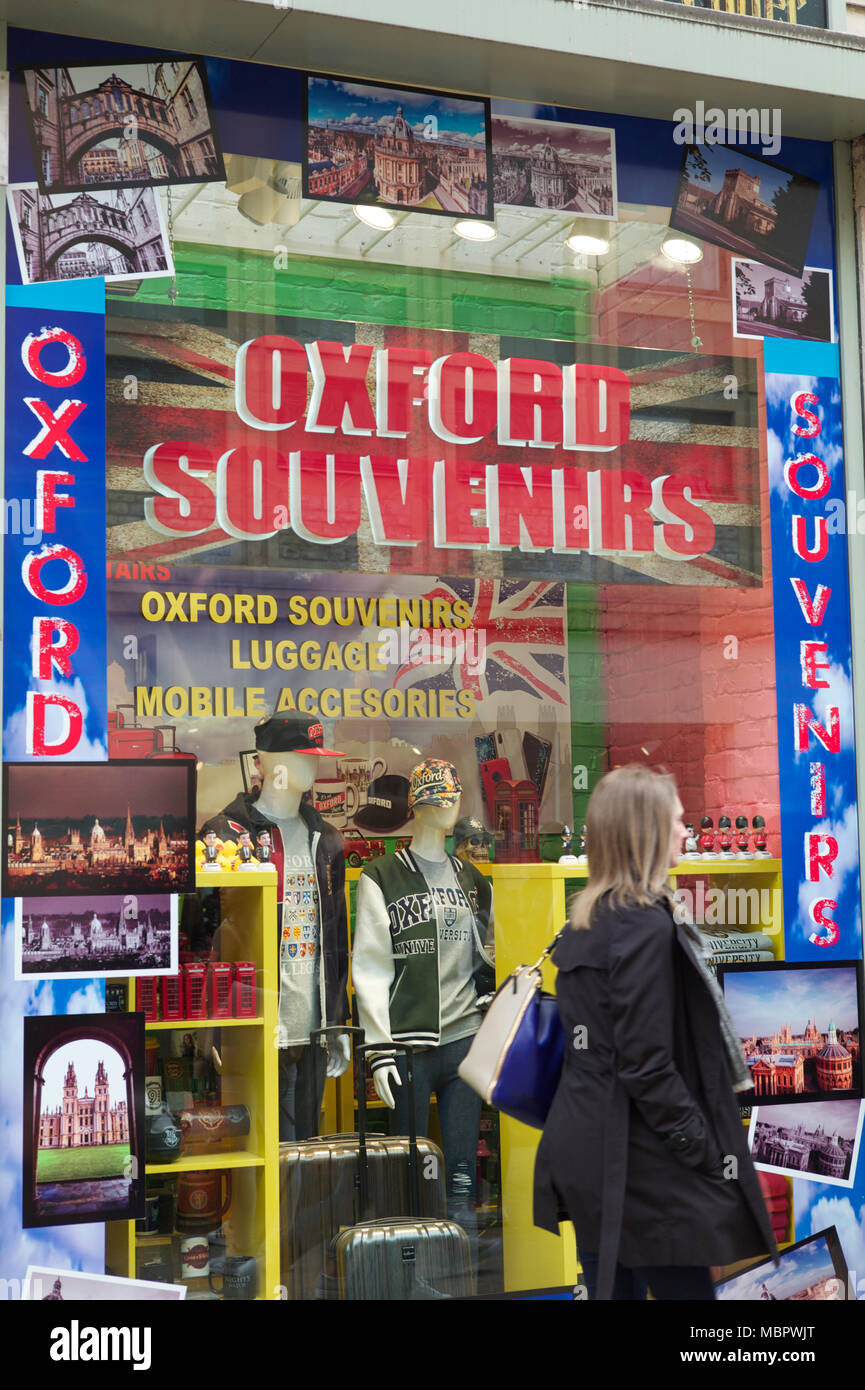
(548, 952)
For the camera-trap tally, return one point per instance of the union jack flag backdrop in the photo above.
(171, 377)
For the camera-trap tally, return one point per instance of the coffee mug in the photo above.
(195, 1257)
(201, 1201)
(148, 1223)
(154, 1095)
(335, 800)
(359, 772)
(239, 1278)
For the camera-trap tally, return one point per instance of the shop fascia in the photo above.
(463, 398)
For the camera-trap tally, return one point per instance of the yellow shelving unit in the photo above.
(248, 931)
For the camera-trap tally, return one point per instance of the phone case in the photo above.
(537, 753)
(485, 748)
(509, 746)
(492, 772)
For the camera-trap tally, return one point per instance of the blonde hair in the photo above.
(629, 822)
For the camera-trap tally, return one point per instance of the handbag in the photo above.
(516, 1056)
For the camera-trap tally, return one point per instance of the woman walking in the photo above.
(644, 1149)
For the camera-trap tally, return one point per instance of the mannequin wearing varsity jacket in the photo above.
(308, 856)
(419, 967)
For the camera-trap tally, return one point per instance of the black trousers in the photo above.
(688, 1283)
(302, 1074)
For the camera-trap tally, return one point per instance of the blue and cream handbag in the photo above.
(515, 1059)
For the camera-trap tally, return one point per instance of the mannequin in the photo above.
(285, 777)
(431, 825)
(308, 856)
(422, 975)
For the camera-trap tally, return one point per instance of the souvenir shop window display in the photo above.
(422, 973)
(278, 818)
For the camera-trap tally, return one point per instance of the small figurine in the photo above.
(264, 846)
(707, 838)
(245, 857)
(760, 850)
(567, 856)
(725, 838)
(691, 850)
(742, 838)
(471, 841)
(582, 857)
(209, 852)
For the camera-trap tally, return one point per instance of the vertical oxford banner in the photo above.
(54, 665)
(813, 668)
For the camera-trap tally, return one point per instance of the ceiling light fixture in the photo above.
(476, 231)
(379, 218)
(589, 236)
(681, 251)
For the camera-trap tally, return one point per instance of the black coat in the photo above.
(634, 1147)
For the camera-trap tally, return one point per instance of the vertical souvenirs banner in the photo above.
(54, 701)
(54, 568)
(819, 825)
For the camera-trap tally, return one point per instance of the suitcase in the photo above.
(400, 1259)
(319, 1194)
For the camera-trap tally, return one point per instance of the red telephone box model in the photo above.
(515, 818)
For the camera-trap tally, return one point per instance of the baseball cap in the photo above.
(470, 826)
(434, 782)
(386, 804)
(286, 733)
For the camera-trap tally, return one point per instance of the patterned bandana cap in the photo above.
(434, 783)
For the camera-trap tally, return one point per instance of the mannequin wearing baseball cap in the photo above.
(420, 966)
(308, 855)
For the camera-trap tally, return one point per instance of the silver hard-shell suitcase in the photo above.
(401, 1259)
(404, 1260)
(320, 1194)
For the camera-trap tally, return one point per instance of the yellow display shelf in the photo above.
(166, 1025)
(248, 932)
(203, 1162)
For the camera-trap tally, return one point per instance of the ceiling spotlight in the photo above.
(682, 251)
(589, 237)
(476, 231)
(379, 218)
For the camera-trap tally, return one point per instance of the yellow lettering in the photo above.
(329, 703)
(310, 656)
(153, 606)
(372, 703)
(255, 700)
(332, 658)
(176, 701)
(148, 703)
(297, 610)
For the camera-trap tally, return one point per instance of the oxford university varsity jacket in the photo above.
(395, 965)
